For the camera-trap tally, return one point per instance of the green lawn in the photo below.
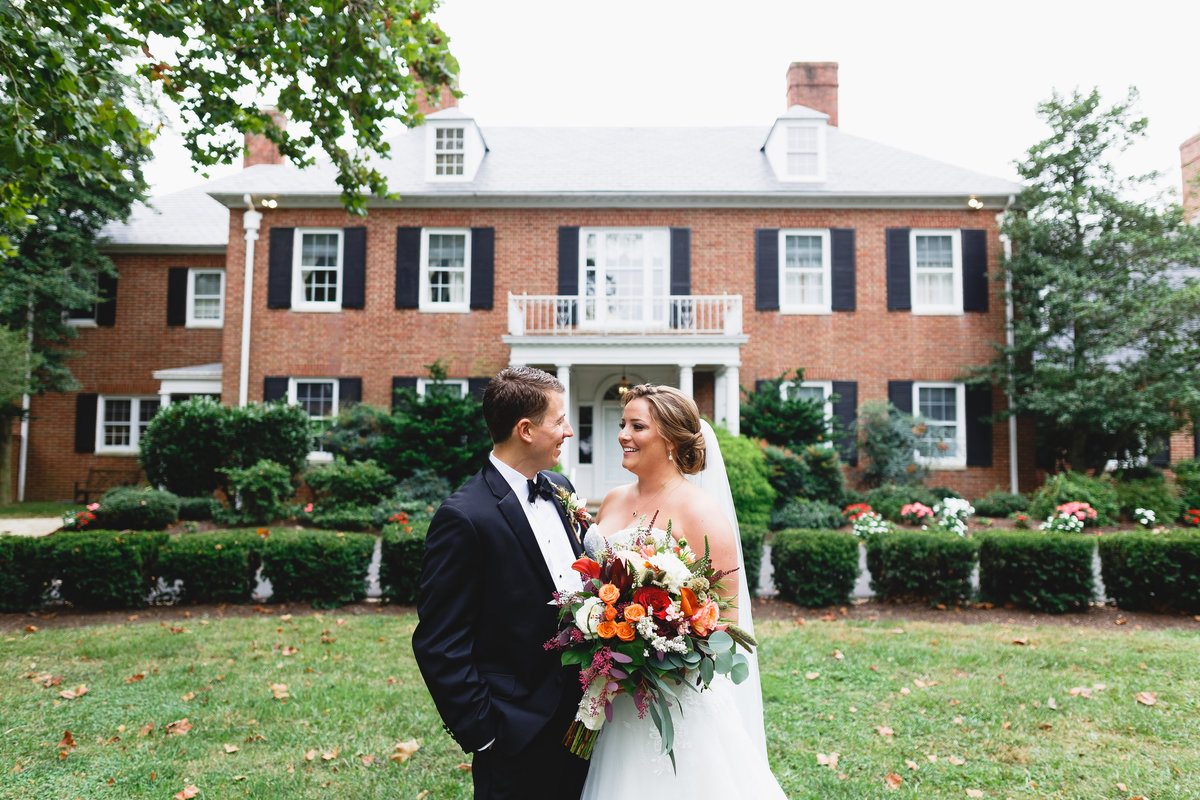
(967, 696)
(37, 508)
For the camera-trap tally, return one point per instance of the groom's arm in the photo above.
(448, 606)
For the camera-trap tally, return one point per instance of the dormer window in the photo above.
(796, 145)
(803, 152)
(449, 151)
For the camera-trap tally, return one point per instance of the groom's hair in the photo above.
(514, 394)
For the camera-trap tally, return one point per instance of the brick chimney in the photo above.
(440, 102)
(814, 84)
(1189, 159)
(260, 149)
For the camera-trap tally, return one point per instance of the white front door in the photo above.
(613, 474)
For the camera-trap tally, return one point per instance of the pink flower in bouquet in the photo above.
(704, 621)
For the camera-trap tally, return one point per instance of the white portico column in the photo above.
(564, 377)
(733, 401)
(686, 384)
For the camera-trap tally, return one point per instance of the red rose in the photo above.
(653, 599)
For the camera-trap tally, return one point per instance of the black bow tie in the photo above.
(540, 487)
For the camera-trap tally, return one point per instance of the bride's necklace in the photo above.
(673, 484)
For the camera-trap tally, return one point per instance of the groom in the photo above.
(495, 552)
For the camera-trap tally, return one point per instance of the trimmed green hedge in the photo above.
(401, 551)
(326, 569)
(24, 573)
(1043, 571)
(917, 565)
(1157, 571)
(814, 568)
(105, 569)
(136, 509)
(753, 539)
(215, 567)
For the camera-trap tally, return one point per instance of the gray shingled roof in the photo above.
(185, 221)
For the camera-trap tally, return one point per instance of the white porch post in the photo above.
(251, 221)
(564, 377)
(733, 401)
(719, 396)
(685, 379)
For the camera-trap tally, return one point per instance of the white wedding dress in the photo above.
(720, 748)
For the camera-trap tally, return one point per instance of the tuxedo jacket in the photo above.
(484, 609)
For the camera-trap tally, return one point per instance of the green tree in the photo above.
(788, 422)
(15, 367)
(889, 439)
(1107, 325)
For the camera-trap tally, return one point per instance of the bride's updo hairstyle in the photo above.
(678, 421)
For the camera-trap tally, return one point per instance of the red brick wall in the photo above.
(870, 345)
(1189, 158)
(115, 360)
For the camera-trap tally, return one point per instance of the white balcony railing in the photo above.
(539, 315)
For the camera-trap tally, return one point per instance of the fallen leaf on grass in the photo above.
(231, 748)
(812, 676)
(1122, 787)
(188, 793)
(1147, 698)
(309, 755)
(830, 760)
(71, 694)
(329, 755)
(974, 793)
(884, 730)
(464, 767)
(1050, 704)
(368, 760)
(424, 793)
(1021, 640)
(189, 696)
(837, 654)
(908, 762)
(1080, 691)
(894, 781)
(67, 743)
(404, 751)
(179, 727)
(141, 676)
(956, 761)
(289, 651)
(31, 628)
(1045, 726)
(174, 629)
(279, 690)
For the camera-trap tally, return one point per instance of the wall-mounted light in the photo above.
(974, 203)
(270, 202)
(623, 384)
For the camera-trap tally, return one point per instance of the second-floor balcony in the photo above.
(548, 315)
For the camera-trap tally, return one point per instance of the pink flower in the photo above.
(704, 621)
(93, 506)
(308, 509)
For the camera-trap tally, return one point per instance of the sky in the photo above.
(957, 81)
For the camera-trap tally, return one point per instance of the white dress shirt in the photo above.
(547, 527)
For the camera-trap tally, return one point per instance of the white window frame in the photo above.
(818, 151)
(192, 321)
(826, 388)
(438, 132)
(299, 303)
(960, 435)
(423, 383)
(426, 303)
(316, 455)
(85, 322)
(955, 307)
(826, 304)
(655, 299)
(135, 415)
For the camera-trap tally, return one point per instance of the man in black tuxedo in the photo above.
(495, 552)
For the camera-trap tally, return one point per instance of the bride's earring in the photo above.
(670, 457)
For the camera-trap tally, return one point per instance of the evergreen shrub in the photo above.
(807, 515)
(198, 508)
(26, 572)
(1187, 478)
(357, 432)
(915, 565)
(402, 550)
(1000, 504)
(260, 489)
(890, 498)
(1067, 487)
(1153, 493)
(323, 567)
(888, 440)
(1049, 572)
(814, 568)
(186, 444)
(137, 509)
(216, 566)
(786, 422)
(753, 540)
(1152, 571)
(753, 495)
(106, 569)
(272, 431)
(349, 484)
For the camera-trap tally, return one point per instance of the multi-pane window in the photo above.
(936, 272)
(319, 399)
(83, 317)
(803, 151)
(814, 391)
(583, 434)
(804, 279)
(445, 276)
(942, 434)
(626, 276)
(123, 420)
(317, 279)
(206, 298)
(455, 387)
(449, 151)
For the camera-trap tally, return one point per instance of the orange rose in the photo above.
(624, 631)
(609, 593)
(610, 612)
(606, 629)
(634, 612)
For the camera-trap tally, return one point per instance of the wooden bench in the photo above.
(100, 481)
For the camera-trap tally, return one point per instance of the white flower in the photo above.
(589, 615)
(675, 573)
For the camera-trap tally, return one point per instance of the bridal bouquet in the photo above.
(647, 622)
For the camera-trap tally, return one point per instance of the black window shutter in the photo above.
(483, 267)
(766, 269)
(349, 392)
(354, 267)
(568, 266)
(979, 427)
(900, 393)
(279, 268)
(402, 383)
(177, 280)
(85, 423)
(758, 385)
(106, 309)
(681, 261)
(842, 263)
(899, 292)
(974, 268)
(1196, 441)
(475, 387)
(275, 388)
(408, 267)
(845, 411)
(1162, 457)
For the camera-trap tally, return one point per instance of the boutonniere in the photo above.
(575, 506)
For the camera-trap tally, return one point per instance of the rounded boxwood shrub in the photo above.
(349, 484)
(137, 509)
(185, 445)
(1154, 571)
(915, 565)
(25, 572)
(1068, 487)
(753, 495)
(106, 569)
(260, 490)
(889, 499)
(217, 566)
(753, 541)
(1043, 571)
(1000, 504)
(807, 515)
(1151, 492)
(325, 568)
(1187, 478)
(814, 568)
(198, 508)
(402, 548)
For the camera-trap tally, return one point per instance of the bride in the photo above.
(719, 738)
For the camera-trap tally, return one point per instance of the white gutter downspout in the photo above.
(1014, 483)
(23, 458)
(250, 222)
